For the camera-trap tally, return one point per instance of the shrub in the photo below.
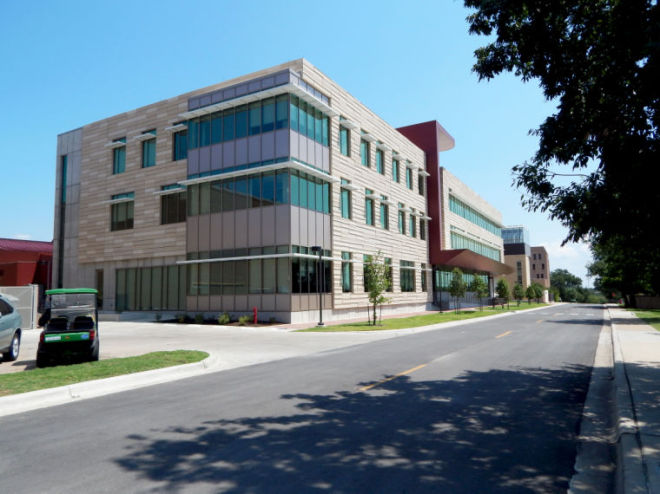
(272, 320)
(243, 320)
(180, 318)
(199, 318)
(224, 318)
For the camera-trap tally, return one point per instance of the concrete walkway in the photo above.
(636, 347)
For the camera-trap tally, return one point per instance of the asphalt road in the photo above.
(492, 407)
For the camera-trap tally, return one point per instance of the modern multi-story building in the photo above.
(540, 272)
(224, 198)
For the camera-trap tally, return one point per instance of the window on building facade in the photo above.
(388, 274)
(180, 145)
(365, 259)
(368, 207)
(121, 213)
(119, 157)
(402, 220)
(344, 141)
(380, 164)
(150, 288)
(346, 272)
(365, 153)
(422, 229)
(412, 225)
(519, 272)
(395, 170)
(460, 208)
(384, 213)
(420, 184)
(173, 207)
(149, 151)
(461, 242)
(345, 201)
(534, 267)
(409, 178)
(423, 275)
(407, 276)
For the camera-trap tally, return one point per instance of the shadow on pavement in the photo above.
(499, 431)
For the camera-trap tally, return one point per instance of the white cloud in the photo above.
(21, 236)
(574, 257)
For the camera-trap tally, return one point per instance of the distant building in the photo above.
(540, 272)
(25, 262)
(517, 253)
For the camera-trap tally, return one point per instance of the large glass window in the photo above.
(346, 272)
(345, 141)
(119, 157)
(180, 145)
(294, 110)
(255, 118)
(173, 208)
(460, 208)
(241, 121)
(149, 151)
(121, 213)
(268, 115)
(368, 207)
(282, 111)
(205, 130)
(461, 242)
(407, 276)
(228, 125)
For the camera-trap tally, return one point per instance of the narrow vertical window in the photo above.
(409, 178)
(423, 277)
(344, 141)
(228, 125)
(180, 143)
(241, 121)
(368, 207)
(205, 131)
(255, 118)
(384, 213)
(149, 151)
(402, 220)
(346, 272)
(412, 225)
(345, 200)
(282, 111)
(420, 184)
(268, 115)
(380, 165)
(216, 127)
(119, 157)
(294, 113)
(422, 229)
(395, 170)
(364, 153)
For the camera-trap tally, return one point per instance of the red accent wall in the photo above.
(425, 136)
(24, 262)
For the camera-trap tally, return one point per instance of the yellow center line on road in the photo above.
(409, 371)
(504, 334)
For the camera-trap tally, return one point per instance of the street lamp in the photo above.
(319, 274)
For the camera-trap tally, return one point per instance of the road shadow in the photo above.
(500, 431)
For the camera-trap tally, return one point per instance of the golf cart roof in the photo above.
(57, 291)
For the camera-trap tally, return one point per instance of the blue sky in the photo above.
(68, 63)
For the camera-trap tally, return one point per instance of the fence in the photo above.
(26, 301)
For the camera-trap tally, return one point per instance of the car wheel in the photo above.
(95, 355)
(12, 353)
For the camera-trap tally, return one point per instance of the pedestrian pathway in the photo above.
(637, 380)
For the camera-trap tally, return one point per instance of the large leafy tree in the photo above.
(566, 283)
(599, 61)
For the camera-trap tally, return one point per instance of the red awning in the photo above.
(466, 259)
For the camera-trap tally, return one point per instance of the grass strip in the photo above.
(649, 316)
(423, 320)
(62, 375)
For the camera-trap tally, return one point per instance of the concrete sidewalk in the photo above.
(636, 347)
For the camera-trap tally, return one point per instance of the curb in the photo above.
(630, 475)
(34, 400)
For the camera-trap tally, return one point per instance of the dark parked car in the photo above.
(72, 331)
(10, 330)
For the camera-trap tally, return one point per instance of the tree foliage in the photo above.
(377, 282)
(518, 292)
(457, 287)
(538, 291)
(599, 61)
(502, 290)
(480, 289)
(530, 294)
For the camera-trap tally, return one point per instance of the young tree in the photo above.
(538, 292)
(457, 287)
(518, 293)
(595, 169)
(502, 290)
(480, 289)
(530, 293)
(376, 282)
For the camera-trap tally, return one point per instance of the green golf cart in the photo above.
(71, 333)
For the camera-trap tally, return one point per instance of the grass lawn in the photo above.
(51, 377)
(424, 320)
(650, 316)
